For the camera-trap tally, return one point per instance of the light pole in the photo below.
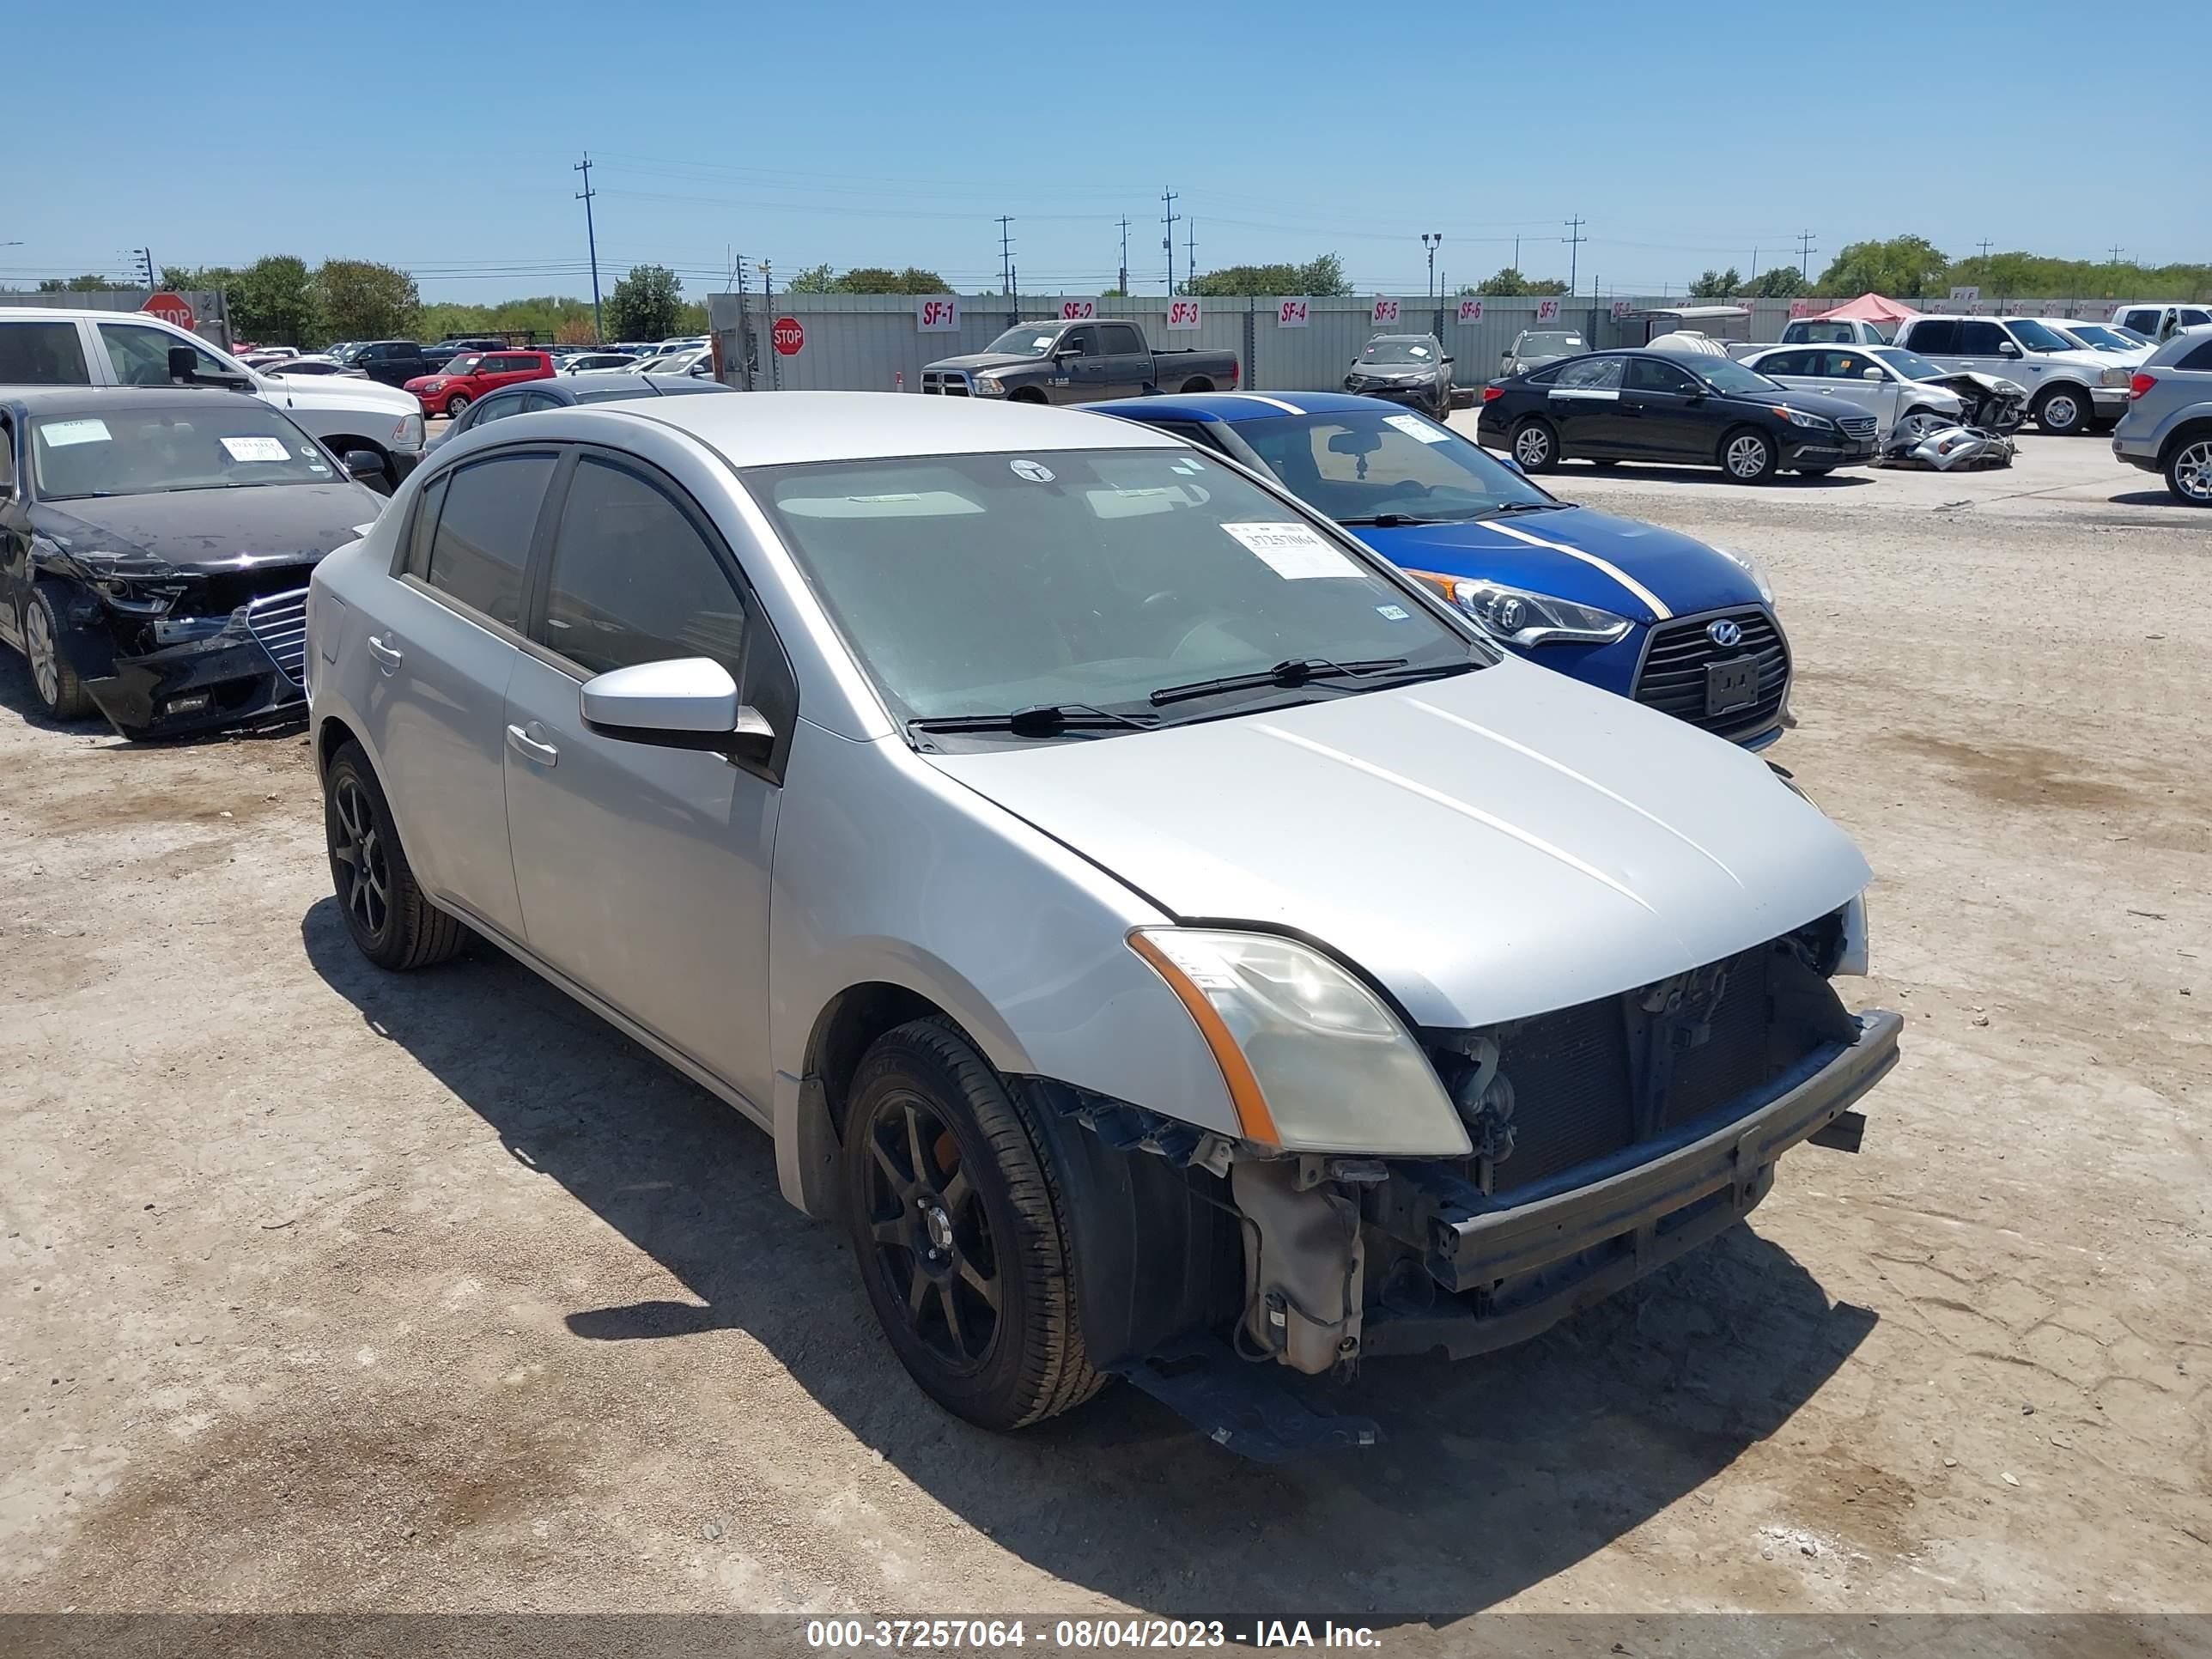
(1432, 241)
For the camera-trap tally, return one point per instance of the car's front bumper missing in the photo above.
(1507, 1271)
(201, 686)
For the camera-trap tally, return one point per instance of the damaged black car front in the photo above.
(155, 553)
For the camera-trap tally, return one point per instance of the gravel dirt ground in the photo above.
(325, 1289)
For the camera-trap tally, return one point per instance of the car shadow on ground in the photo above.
(1847, 479)
(2161, 497)
(1494, 1474)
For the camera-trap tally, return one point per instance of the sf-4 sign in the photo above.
(1078, 311)
(1385, 311)
(1183, 313)
(1292, 314)
(939, 313)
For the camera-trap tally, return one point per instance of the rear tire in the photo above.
(1746, 455)
(1536, 444)
(2063, 411)
(2188, 470)
(392, 923)
(1199, 384)
(956, 1220)
(60, 692)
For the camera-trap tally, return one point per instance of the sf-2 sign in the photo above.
(1292, 314)
(170, 308)
(939, 313)
(1078, 311)
(1183, 313)
(789, 335)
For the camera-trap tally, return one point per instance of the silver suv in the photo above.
(2168, 425)
(1166, 934)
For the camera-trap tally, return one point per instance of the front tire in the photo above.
(1536, 444)
(957, 1225)
(60, 692)
(2063, 411)
(392, 923)
(2189, 470)
(1748, 456)
(457, 406)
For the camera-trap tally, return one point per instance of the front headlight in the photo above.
(408, 435)
(1315, 1061)
(1518, 615)
(2114, 377)
(1803, 418)
(136, 584)
(989, 385)
(1750, 566)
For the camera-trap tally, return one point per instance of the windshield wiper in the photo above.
(1296, 671)
(1511, 508)
(1042, 719)
(1391, 520)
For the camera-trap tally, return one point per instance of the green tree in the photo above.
(362, 299)
(1321, 277)
(1779, 283)
(271, 300)
(85, 285)
(1509, 282)
(1717, 284)
(814, 279)
(1908, 267)
(645, 304)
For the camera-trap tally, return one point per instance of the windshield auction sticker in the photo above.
(58, 434)
(255, 449)
(1294, 551)
(1414, 427)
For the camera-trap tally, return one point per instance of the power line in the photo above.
(1190, 252)
(1167, 241)
(1005, 255)
(1574, 238)
(590, 239)
(1125, 255)
(2115, 252)
(1984, 246)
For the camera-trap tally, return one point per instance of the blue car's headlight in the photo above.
(1516, 616)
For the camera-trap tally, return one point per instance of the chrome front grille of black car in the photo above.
(279, 623)
(1673, 677)
(1861, 427)
(944, 383)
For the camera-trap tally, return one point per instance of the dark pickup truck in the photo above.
(395, 362)
(1086, 362)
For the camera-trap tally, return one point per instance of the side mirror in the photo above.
(1450, 360)
(2007, 349)
(1065, 350)
(1870, 374)
(689, 702)
(363, 464)
(184, 365)
(1509, 465)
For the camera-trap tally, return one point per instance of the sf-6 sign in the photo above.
(938, 314)
(1292, 314)
(1470, 311)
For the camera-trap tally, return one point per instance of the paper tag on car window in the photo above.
(1414, 427)
(60, 434)
(255, 449)
(1296, 552)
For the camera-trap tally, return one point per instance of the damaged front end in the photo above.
(1604, 1140)
(166, 649)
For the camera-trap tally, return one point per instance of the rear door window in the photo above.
(1980, 339)
(1789, 362)
(42, 353)
(1589, 374)
(1648, 375)
(478, 552)
(1120, 338)
(2198, 360)
(1937, 336)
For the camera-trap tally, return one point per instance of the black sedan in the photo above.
(1404, 368)
(154, 548)
(1693, 410)
(595, 387)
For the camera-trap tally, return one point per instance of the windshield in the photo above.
(2035, 337)
(2133, 337)
(143, 452)
(1360, 467)
(1910, 364)
(1400, 351)
(465, 363)
(1027, 341)
(983, 584)
(1537, 345)
(1726, 374)
(2097, 335)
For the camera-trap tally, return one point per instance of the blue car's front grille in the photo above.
(1673, 677)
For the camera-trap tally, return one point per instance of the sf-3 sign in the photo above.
(1183, 313)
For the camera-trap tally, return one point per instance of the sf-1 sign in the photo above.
(939, 313)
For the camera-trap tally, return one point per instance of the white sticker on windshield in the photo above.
(1035, 471)
(59, 434)
(1392, 612)
(255, 449)
(1294, 551)
(1414, 427)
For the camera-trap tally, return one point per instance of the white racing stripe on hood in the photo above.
(1452, 802)
(1583, 778)
(1274, 403)
(1659, 608)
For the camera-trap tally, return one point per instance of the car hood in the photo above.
(214, 529)
(1488, 847)
(1635, 570)
(1393, 371)
(1813, 402)
(337, 391)
(975, 359)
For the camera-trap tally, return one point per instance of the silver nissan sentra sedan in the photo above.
(1162, 933)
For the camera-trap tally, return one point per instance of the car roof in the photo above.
(93, 399)
(1244, 405)
(782, 427)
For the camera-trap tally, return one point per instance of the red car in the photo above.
(472, 374)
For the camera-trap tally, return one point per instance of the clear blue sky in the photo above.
(441, 137)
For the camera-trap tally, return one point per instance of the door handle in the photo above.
(531, 748)
(387, 656)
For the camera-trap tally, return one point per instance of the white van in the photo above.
(39, 346)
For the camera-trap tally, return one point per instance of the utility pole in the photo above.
(767, 310)
(591, 242)
(1432, 241)
(1985, 246)
(1005, 256)
(2115, 251)
(1574, 238)
(1516, 250)
(1125, 255)
(1169, 219)
(1190, 252)
(1805, 254)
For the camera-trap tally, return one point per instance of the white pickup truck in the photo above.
(1815, 331)
(41, 346)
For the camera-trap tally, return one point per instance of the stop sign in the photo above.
(788, 335)
(170, 308)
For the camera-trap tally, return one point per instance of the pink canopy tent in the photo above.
(1873, 308)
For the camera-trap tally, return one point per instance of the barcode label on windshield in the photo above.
(1414, 427)
(1294, 551)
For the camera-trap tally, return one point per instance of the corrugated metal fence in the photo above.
(210, 319)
